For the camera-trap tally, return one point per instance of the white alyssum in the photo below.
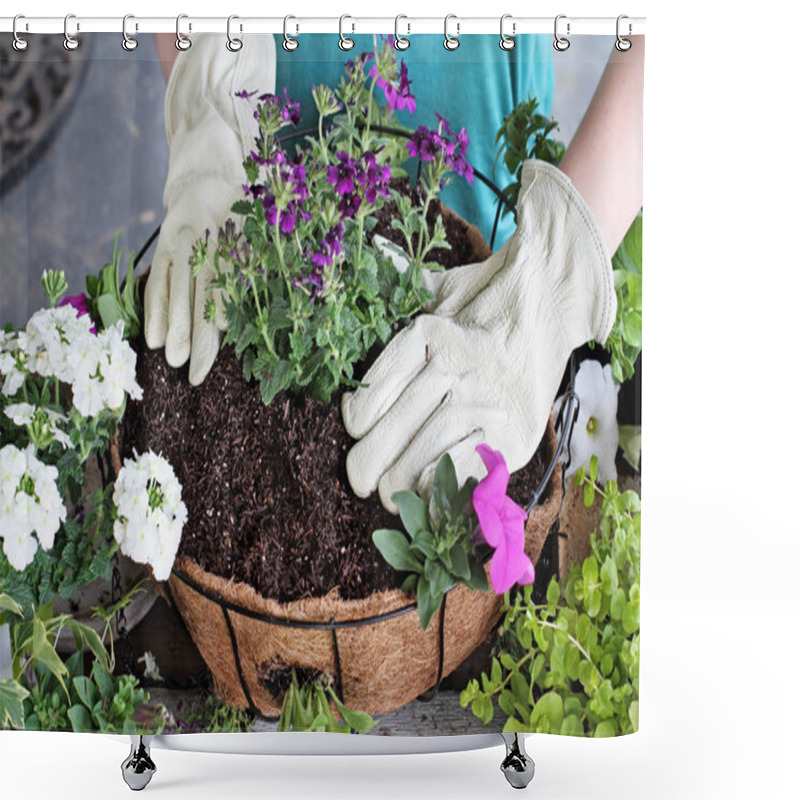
(596, 432)
(29, 503)
(150, 512)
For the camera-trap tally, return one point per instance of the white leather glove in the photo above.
(210, 132)
(485, 365)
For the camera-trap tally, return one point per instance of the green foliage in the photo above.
(437, 549)
(47, 693)
(207, 714)
(625, 341)
(54, 285)
(110, 300)
(525, 134)
(571, 666)
(307, 707)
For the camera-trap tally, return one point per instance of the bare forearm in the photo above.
(604, 159)
(167, 52)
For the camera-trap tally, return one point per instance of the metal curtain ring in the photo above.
(128, 42)
(621, 44)
(345, 43)
(233, 44)
(451, 42)
(290, 44)
(507, 42)
(182, 41)
(70, 42)
(401, 42)
(561, 43)
(19, 43)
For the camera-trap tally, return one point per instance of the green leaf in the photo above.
(427, 602)
(45, 654)
(8, 603)
(394, 547)
(242, 207)
(445, 482)
(630, 618)
(606, 728)
(630, 442)
(572, 726)
(422, 541)
(87, 691)
(549, 706)
(109, 309)
(460, 563)
(81, 719)
(553, 592)
(359, 721)
(438, 577)
(12, 697)
(413, 511)
(589, 570)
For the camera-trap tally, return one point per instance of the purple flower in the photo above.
(344, 175)
(291, 109)
(398, 95)
(80, 302)
(349, 205)
(357, 65)
(427, 145)
(245, 95)
(502, 523)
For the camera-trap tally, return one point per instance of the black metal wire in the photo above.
(235, 647)
(337, 665)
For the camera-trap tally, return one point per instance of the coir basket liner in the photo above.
(381, 664)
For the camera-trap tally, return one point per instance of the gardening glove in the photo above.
(484, 366)
(210, 132)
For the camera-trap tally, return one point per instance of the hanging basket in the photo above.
(374, 648)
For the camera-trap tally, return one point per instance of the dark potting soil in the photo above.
(266, 487)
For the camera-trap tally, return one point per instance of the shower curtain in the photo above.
(320, 385)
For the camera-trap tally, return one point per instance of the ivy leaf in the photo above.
(12, 696)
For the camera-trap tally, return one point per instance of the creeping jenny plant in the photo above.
(571, 666)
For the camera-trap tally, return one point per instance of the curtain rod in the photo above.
(296, 25)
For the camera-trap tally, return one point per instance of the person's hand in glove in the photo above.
(209, 131)
(485, 364)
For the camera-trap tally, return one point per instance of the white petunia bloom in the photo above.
(596, 432)
(150, 513)
(29, 503)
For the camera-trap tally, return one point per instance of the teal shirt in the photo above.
(473, 87)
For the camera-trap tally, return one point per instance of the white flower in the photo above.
(24, 414)
(150, 513)
(12, 364)
(151, 670)
(29, 503)
(596, 432)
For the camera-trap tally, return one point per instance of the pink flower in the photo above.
(80, 302)
(502, 523)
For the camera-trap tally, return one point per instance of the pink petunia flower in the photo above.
(502, 523)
